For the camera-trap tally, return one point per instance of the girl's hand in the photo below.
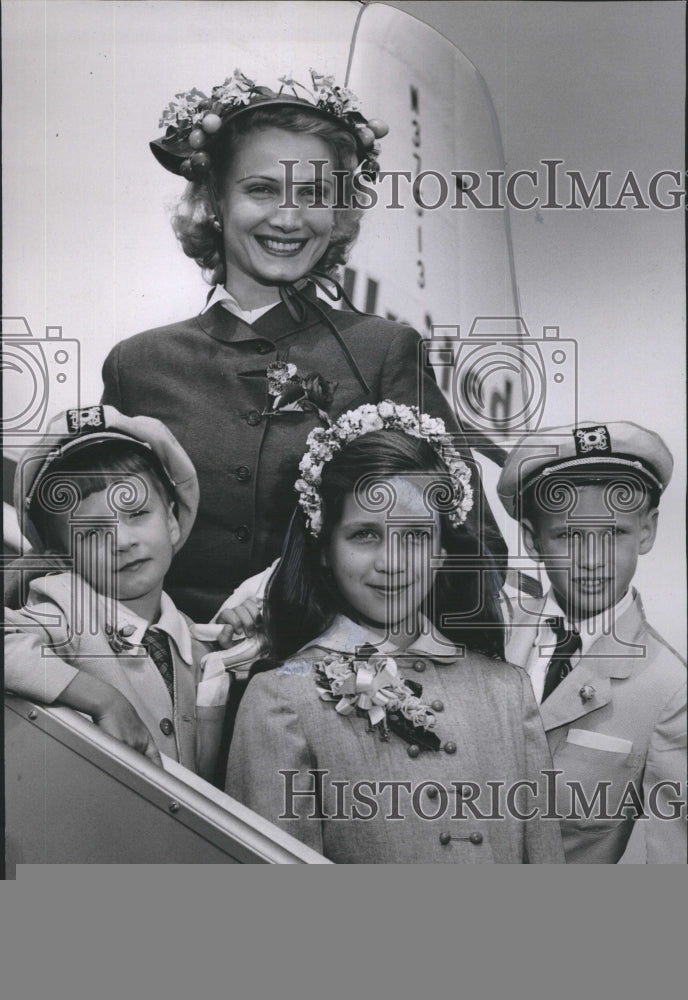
(243, 621)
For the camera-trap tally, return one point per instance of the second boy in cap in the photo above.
(612, 692)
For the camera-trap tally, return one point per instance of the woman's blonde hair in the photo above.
(195, 214)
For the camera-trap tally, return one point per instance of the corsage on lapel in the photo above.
(587, 693)
(289, 392)
(370, 685)
(118, 639)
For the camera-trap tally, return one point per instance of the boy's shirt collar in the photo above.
(171, 622)
(590, 629)
(345, 636)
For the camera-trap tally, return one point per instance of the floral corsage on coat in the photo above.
(371, 686)
(290, 392)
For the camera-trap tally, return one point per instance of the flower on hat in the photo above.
(337, 100)
(192, 119)
(184, 111)
(324, 442)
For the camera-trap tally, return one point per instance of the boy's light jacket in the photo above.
(45, 648)
(618, 717)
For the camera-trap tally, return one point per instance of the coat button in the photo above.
(253, 418)
(437, 705)
(449, 746)
(476, 838)
(413, 750)
(432, 792)
(418, 666)
(445, 838)
(242, 472)
(166, 727)
(242, 533)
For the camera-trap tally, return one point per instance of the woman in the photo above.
(342, 746)
(241, 384)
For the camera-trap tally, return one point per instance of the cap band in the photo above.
(576, 463)
(78, 444)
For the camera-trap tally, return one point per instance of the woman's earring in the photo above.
(216, 224)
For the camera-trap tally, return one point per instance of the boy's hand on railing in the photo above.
(110, 710)
(122, 721)
(243, 621)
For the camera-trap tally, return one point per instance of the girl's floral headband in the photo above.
(323, 443)
(193, 120)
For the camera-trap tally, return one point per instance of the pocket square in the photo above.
(598, 741)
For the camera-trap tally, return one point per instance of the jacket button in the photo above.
(413, 750)
(242, 472)
(242, 533)
(476, 838)
(253, 418)
(445, 838)
(418, 666)
(449, 746)
(166, 727)
(432, 792)
(437, 705)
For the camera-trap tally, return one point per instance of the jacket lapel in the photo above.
(588, 686)
(523, 630)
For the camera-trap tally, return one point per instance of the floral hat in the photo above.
(323, 443)
(193, 120)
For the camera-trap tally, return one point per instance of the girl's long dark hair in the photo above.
(302, 599)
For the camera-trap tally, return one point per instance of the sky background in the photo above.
(87, 244)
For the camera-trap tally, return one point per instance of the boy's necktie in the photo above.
(158, 646)
(567, 645)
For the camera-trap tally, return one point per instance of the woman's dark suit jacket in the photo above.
(206, 379)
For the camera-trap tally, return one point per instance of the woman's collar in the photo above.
(229, 302)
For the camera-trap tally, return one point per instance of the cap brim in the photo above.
(23, 499)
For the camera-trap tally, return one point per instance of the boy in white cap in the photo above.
(612, 692)
(115, 497)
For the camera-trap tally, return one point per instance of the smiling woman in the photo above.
(266, 242)
(268, 216)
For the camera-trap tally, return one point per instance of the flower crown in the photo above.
(323, 443)
(192, 120)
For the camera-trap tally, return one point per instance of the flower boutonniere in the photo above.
(370, 685)
(118, 638)
(587, 693)
(288, 391)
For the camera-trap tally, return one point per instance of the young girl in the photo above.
(392, 732)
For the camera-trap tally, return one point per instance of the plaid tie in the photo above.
(559, 666)
(158, 647)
